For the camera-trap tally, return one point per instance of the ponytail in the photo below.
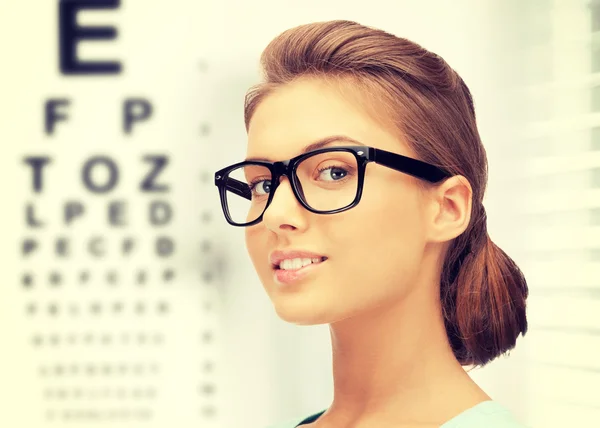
(483, 296)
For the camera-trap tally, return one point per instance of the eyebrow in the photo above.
(322, 142)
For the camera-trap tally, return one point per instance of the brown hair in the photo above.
(483, 291)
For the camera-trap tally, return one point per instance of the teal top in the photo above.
(488, 414)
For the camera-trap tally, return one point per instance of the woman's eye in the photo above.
(260, 186)
(332, 173)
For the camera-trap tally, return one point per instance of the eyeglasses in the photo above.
(324, 181)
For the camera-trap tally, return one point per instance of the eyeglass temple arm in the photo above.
(238, 187)
(410, 166)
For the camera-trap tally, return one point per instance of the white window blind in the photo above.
(562, 213)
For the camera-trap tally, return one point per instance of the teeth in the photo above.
(295, 264)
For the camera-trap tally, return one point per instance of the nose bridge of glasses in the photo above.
(281, 170)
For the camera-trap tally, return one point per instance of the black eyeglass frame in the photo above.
(363, 155)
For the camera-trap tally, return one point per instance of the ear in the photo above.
(450, 209)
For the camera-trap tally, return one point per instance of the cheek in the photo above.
(389, 236)
(380, 244)
(257, 248)
(389, 212)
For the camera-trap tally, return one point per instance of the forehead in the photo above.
(305, 111)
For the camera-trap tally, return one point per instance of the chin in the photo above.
(300, 315)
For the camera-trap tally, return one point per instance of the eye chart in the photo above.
(113, 273)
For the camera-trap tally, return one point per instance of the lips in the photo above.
(287, 278)
(278, 256)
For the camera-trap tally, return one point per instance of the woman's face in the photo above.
(373, 250)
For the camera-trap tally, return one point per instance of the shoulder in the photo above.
(488, 414)
(294, 422)
(291, 423)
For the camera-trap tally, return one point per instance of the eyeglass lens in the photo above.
(326, 181)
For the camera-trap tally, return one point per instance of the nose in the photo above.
(284, 211)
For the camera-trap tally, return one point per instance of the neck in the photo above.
(395, 364)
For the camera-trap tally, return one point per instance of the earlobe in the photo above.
(452, 202)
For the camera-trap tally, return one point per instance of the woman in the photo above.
(361, 198)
